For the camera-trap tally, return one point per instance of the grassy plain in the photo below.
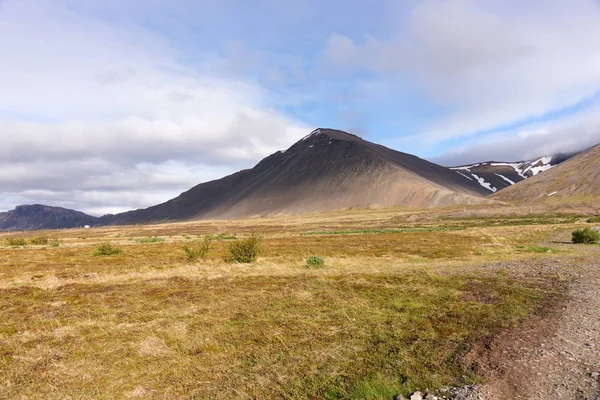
(402, 297)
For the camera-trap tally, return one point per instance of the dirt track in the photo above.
(554, 357)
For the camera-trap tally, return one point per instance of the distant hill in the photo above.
(326, 170)
(575, 179)
(497, 175)
(38, 216)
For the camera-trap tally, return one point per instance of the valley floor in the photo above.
(496, 298)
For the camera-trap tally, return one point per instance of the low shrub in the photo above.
(246, 250)
(38, 241)
(197, 249)
(15, 241)
(107, 249)
(586, 236)
(593, 220)
(315, 261)
(54, 243)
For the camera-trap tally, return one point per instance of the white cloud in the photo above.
(488, 63)
(92, 112)
(571, 134)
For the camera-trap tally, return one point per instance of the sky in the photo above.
(122, 104)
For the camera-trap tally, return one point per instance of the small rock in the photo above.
(400, 397)
(416, 396)
(595, 375)
(430, 397)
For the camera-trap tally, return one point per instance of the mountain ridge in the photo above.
(575, 179)
(39, 216)
(325, 170)
(498, 175)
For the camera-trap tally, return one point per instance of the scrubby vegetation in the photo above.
(197, 249)
(10, 241)
(315, 261)
(586, 236)
(107, 249)
(246, 250)
(39, 241)
(593, 220)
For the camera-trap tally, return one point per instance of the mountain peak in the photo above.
(330, 134)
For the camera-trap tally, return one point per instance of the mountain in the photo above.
(496, 175)
(37, 216)
(326, 170)
(576, 179)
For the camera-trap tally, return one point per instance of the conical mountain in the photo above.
(326, 170)
(577, 179)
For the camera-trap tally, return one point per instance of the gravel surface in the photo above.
(554, 357)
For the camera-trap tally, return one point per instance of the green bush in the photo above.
(107, 249)
(38, 241)
(246, 250)
(315, 261)
(593, 220)
(15, 241)
(197, 249)
(54, 243)
(586, 236)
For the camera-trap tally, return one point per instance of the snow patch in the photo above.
(523, 168)
(537, 170)
(485, 184)
(505, 178)
(316, 132)
(468, 177)
(466, 167)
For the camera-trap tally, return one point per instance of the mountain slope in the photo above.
(495, 175)
(326, 170)
(37, 216)
(576, 179)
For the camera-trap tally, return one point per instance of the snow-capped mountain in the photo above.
(495, 175)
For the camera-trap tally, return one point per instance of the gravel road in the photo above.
(555, 357)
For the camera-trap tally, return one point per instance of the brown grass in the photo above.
(389, 313)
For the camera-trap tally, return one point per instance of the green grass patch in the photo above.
(535, 249)
(150, 240)
(386, 230)
(222, 236)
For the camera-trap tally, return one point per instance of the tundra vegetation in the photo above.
(404, 297)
